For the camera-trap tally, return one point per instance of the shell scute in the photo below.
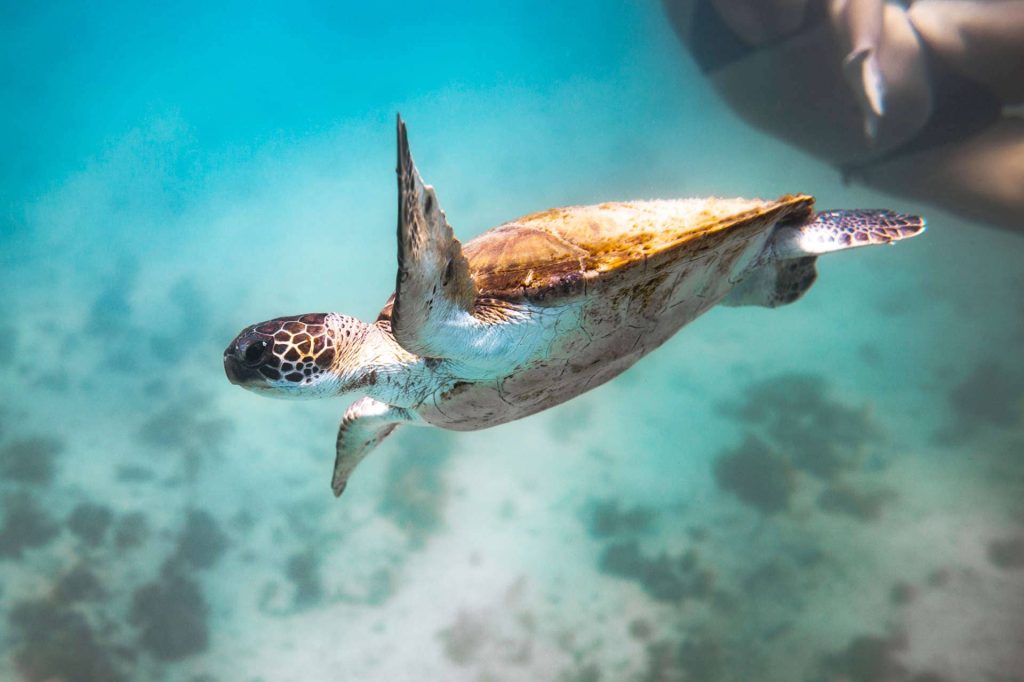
(561, 253)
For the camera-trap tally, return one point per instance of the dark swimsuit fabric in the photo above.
(714, 45)
(960, 107)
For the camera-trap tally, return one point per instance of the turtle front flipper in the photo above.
(434, 290)
(366, 423)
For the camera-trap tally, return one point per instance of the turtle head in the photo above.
(293, 357)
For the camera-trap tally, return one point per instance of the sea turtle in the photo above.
(538, 310)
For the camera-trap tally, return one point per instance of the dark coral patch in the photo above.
(89, 522)
(868, 659)
(1007, 554)
(131, 531)
(57, 643)
(31, 460)
(26, 525)
(990, 395)
(202, 542)
(609, 519)
(303, 570)
(669, 578)
(171, 615)
(757, 475)
(797, 415)
(844, 499)
(79, 584)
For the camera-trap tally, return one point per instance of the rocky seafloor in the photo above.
(777, 523)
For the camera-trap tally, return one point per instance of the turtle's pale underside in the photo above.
(538, 310)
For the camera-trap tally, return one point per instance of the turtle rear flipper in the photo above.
(789, 269)
(775, 283)
(838, 230)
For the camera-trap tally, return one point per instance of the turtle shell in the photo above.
(561, 253)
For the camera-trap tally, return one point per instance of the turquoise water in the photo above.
(826, 491)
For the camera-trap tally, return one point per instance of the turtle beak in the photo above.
(238, 373)
(231, 369)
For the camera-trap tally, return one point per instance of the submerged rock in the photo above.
(868, 659)
(1007, 554)
(30, 460)
(79, 584)
(663, 664)
(132, 473)
(902, 593)
(90, 522)
(844, 499)
(796, 414)
(664, 577)
(695, 658)
(131, 531)
(464, 639)
(303, 570)
(171, 615)
(703, 658)
(55, 642)
(190, 426)
(990, 395)
(757, 475)
(608, 519)
(202, 542)
(25, 526)
(874, 659)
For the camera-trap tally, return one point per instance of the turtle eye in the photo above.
(253, 353)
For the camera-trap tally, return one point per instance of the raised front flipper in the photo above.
(434, 291)
(366, 423)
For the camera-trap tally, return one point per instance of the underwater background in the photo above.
(832, 490)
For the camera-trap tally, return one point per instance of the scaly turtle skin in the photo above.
(539, 310)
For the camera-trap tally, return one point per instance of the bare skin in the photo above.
(981, 178)
(857, 94)
(982, 40)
